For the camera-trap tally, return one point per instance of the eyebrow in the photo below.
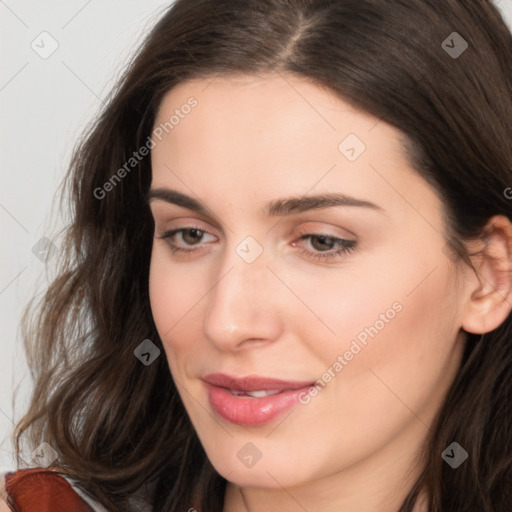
(275, 208)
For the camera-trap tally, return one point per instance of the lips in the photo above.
(251, 383)
(252, 400)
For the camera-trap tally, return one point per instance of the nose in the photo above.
(244, 307)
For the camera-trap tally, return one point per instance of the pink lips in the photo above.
(243, 409)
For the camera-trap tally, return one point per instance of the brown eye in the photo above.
(322, 243)
(327, 248)
(186, 240)
(192, 236)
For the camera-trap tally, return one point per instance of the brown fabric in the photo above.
(41, 490)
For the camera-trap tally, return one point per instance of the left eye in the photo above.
(323, 242)
(326, 247)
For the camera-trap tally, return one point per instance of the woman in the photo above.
(287, 281)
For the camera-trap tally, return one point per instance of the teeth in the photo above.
(256, 394)
(259, 394)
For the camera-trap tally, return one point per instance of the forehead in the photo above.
(279, 133)
(266, 104)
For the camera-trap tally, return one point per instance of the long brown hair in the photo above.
(118, 424)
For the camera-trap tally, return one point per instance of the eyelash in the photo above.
(347, 246)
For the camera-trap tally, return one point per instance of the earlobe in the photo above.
(489, 299)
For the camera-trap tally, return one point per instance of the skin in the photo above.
(3, 496)
(356, 445)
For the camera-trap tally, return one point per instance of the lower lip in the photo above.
(249, 411)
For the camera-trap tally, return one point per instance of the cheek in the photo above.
(390, 373)
(397, 340)
(171, 295)
(397, 320)
(177, 296)
(388, 298)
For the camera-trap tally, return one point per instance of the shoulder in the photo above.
(39, 489)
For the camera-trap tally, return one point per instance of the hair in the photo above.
(118, 424)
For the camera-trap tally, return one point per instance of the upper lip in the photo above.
(252, 383)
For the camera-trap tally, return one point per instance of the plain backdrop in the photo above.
(59, 59)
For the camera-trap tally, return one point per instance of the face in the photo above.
(298, 281)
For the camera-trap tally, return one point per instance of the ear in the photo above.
(490, 291)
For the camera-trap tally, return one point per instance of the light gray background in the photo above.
(44, 104)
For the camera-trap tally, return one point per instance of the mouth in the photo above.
(252, 400)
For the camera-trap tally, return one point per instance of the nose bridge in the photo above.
(243, 303)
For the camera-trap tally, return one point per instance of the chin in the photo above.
(266, 473)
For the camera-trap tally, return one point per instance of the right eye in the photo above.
(190, 236)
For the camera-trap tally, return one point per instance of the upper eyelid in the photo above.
(181, 230)
(314, 230)
(185, 228)
(211, 221)
(307, 232)
(165, 224)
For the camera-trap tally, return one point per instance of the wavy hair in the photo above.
(118, 424)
